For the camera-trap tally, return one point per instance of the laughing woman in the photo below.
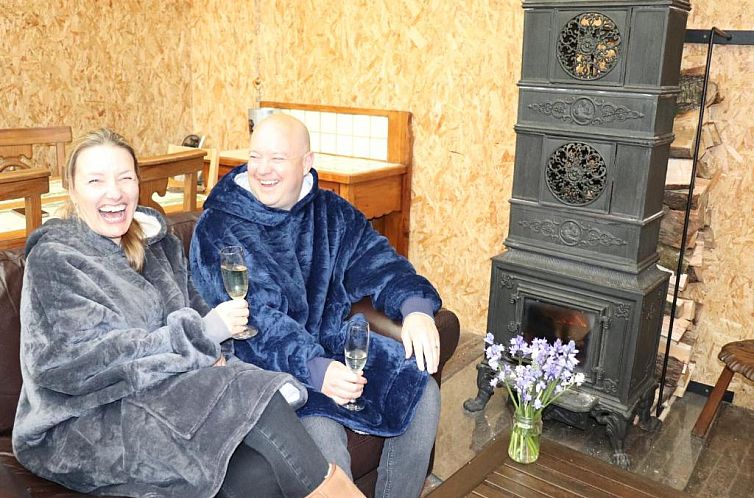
(125, 390)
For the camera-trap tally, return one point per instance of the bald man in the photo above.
(310, 256)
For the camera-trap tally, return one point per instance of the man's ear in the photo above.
(308, 162)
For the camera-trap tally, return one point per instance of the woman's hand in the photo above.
(235, 314)
(419, 335)
(341, 384)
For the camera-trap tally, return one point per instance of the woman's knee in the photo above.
(294, 456)
(278, 414)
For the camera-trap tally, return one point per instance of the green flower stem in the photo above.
(524, 442)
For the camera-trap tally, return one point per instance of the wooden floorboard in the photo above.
(560, 472)
(594, 470)
(484, 490)
(580, 479)
(508, 478)
(559, 484)
(460, 483)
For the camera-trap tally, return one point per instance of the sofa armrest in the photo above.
(446, 321)
(10, 487)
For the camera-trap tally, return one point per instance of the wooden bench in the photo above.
(559, 472)
(16, 146)
(155, 172)
(27, 184)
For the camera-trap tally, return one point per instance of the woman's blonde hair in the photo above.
(132, 241)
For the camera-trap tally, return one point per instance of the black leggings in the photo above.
(277, 458)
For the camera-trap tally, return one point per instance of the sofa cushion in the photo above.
(11, 279)
(182, 226)
(9, 484)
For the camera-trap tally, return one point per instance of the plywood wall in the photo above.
(224, 67)
(87, 64)
(728, 290)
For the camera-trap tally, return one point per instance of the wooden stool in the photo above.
(738, 358)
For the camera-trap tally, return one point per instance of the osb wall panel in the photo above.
(728, 291)
(224, 65)
(91, 63)
(453, 65)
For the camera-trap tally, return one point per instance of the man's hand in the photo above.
(341, 384)
(419, 335)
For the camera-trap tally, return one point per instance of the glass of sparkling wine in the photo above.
(236, 280)
(356, 350)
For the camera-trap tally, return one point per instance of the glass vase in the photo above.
(524, 443)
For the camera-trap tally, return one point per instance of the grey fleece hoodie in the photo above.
(119, 396)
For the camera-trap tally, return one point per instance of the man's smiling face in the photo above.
(279, 159)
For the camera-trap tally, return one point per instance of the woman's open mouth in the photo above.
(113, 214)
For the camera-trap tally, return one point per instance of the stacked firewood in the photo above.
(700, 235)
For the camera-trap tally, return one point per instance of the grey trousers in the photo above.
(405, 458)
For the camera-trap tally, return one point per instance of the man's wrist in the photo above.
(417, 305)
(317, 368)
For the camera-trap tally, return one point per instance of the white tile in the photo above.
(378, 128)
(344, 145)
(311, 120)
(315, 142)
(378, 149)
(299, 114)
(287, 112)
(345, 124)
(328, 122)
(361, 125)
(361, 147)
(327, 143)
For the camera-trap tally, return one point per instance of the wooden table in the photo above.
(378, 189)
(29, 185)
(559, 472)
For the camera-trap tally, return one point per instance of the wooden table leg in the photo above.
(703, 423)
(33, 207)
(396, 231)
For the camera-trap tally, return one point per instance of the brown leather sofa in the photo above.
(15, 481)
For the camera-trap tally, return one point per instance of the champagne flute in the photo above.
(356, 350)
(236, 280)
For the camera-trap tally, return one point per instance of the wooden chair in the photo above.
(211, 170)
(155, 172)
(27, 184)
(16, 146)
(738, 358)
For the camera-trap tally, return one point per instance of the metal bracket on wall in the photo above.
(737, 37)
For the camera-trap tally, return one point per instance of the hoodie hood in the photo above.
(229, 197)
(76, 233)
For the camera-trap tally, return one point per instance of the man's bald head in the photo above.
(284, 125)
(279, 159)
